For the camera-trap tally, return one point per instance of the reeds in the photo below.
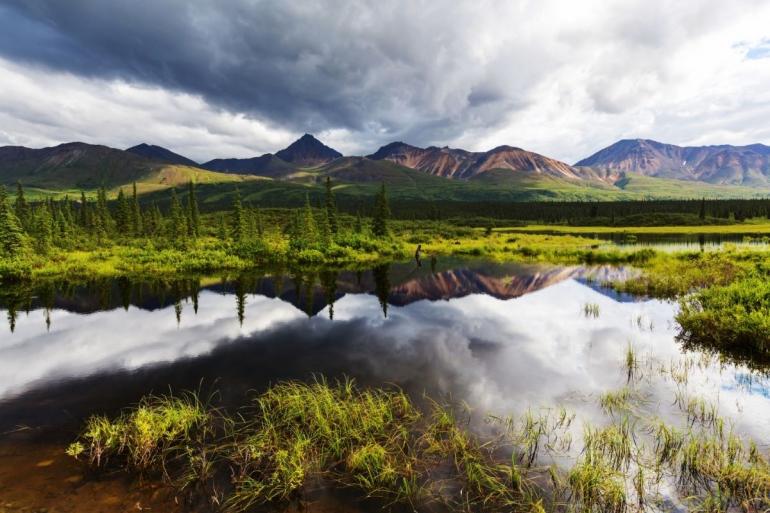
(591, 310)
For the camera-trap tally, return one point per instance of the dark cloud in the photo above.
(309, 66)
(472, 73)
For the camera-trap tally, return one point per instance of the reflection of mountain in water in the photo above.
(462, 282)
(310, 291)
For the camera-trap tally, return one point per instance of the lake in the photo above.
(503, 338)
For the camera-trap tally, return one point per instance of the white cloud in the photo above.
(40, 107)
(561, 78)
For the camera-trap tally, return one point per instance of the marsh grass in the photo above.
(620, 402)
(591, 310)
(145, 435)
(296, 437)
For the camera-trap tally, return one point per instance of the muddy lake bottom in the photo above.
(503, 338)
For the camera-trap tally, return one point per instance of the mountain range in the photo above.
(722, 164)
(628, 169)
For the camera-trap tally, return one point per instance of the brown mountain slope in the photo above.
(462, 164)
(723, 164)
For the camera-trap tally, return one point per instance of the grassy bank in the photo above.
(208, 254)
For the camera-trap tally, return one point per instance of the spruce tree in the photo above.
(84, 220)
(13, 241)
(136, 215)
(123, 214)
(178, 226)
(259, 223)
(331, 208)
(43, 228)
(239, 218)
(324, 231)
(193, 214)
(21, 207)
(381, 214)
(308, 229)
(105, 220)
(222, 227)
(359, 226)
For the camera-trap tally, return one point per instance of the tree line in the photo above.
(582, 212)
(43, 225)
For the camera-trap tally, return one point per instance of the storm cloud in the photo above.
(557, 77)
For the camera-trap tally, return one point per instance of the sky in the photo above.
(238, 78)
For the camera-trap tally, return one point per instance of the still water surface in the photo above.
(503, 338)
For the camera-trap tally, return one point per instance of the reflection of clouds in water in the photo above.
(79, 345)
(500, 356)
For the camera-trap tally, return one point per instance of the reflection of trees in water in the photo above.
(382, 285)
(240, 299)
(329, 285)
(309, 290)
(124, 285)
(12, 306)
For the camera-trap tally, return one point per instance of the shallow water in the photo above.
(627, 238)
(504, 338)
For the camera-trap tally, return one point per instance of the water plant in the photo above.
(591, 310)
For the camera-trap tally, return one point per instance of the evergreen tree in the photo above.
(324, 231)
(358, 227)
(13, 241)
(123, 214)
(84, 219)
(259, 223)
(178, 226)
(153, 220)
(308, 229)
(331, 208)
(103, 218)
(239, 219)
(193, 214)
(21, 207)
(381, 214)
(702, 211)
(222, 227)
(43, 228)
(136, 215)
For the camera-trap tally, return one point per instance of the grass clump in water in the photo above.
(296, 436)
(597, 486)
(142, 436)
(295, 431)
(734, 319)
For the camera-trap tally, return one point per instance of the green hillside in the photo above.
(649, 187)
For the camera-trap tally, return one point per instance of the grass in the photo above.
(734, 318)
(296, 436)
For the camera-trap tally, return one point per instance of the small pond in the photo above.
(503, 338)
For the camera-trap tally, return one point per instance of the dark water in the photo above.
(504, 338)
(500, 336)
